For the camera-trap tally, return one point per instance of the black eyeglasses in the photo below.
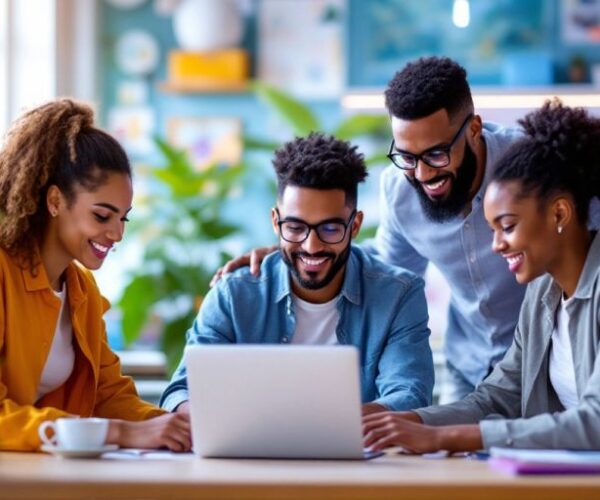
(436, 157)
(329, 231)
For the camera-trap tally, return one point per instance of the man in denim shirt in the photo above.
(442, 156)
(320, 289)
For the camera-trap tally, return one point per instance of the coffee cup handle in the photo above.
(42, 431)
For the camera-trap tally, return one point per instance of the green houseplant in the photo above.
(186, 217)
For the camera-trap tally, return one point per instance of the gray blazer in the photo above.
(516, 404)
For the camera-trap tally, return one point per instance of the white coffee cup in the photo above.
(75, 433)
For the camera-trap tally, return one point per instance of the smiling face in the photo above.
(86, 228)
(443, 192)
(317, 268)
(525, 230)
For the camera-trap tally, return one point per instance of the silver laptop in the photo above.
(268, 401)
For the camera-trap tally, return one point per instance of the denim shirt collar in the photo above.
(351, 288)
(585, 285)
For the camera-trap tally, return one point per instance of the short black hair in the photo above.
(427, 85)
(319, 161)
(559, 154)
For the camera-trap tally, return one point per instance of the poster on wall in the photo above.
(133, 127)
(207, 140)
(580, 21)
(301, 46)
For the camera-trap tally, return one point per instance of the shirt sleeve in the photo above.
(405, 378)
(213, 325)
(498, 396)
(389, 243)
(575, 428)
(19, 423)
(117, 396)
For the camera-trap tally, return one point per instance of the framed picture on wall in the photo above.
(580, 21)
(301, 46)
(207, 140)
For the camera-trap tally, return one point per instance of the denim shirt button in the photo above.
(284, 340)
(509, 442)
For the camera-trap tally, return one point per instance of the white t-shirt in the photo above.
(315, 323)
(562, 371)
(61, 357)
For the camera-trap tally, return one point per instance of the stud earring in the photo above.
(559, 229)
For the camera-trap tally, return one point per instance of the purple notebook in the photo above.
(519, 466)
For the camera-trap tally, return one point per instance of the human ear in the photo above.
(356, 224)
(274, 221)
(474, 130)
(54, 200)
(562, 213)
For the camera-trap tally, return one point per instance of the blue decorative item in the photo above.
(527, 68)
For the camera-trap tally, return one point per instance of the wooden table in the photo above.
(38, 476)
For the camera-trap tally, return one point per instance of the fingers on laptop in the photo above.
(382, 430)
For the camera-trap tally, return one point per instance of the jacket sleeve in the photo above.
(116, 396)
(575, 428)
(389, 243)
(405, 378)
(19, 423)
(499, 395)
(213, 325)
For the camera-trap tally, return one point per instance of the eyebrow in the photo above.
(110, 207)
(324, 221)
(439, 145)
(501, 216)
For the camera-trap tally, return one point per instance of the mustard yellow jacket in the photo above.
(28, 316)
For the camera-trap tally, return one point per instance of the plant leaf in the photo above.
(296, 114)
(172, 340)
(260, 144)
(375, 160)
(135, 304)
(366, 232)
(362, 124)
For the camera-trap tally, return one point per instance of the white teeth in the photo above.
(435, 185)
(515, 259)
(312, 262)
(99, 247)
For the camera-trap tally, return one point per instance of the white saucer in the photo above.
(88, 453)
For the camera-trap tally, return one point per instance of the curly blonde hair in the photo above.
(54, 144)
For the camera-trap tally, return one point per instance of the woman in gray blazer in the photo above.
(545, 393)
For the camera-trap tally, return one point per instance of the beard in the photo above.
(458, 196)
(313, 283)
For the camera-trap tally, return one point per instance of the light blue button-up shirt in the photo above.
(485, 297)
(382, 312)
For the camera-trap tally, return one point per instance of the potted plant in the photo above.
(185, 222)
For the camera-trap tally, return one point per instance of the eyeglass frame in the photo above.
(315, 227)
(445, 149)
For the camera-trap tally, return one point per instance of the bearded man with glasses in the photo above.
(319, 289)
(432, 211)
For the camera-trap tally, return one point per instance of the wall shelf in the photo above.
(203, 87)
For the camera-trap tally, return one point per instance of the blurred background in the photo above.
(200, 93)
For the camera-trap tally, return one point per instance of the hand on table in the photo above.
(405, 429)
(171, 431)
(385, 429)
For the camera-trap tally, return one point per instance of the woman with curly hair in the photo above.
(65, 192)
(545, 393)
